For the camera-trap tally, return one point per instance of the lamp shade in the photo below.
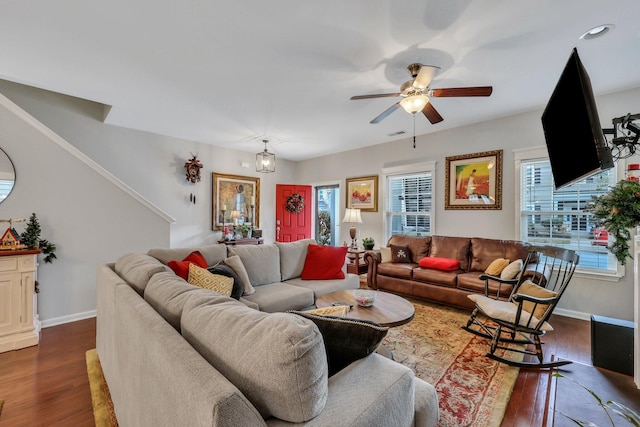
(415, 103)
(265, 161)
(352, 215)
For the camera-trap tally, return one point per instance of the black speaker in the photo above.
(612, 344)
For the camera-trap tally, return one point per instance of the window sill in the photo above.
(598, 275)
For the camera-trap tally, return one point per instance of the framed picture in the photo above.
(235, 200)
(474, 181)
(362, 193)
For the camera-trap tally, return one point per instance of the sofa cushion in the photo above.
(400, 253)
(281, 297)
(167, 294)
(346, 340)
(137, 269)
(323, 287)
(203, 278)
(444, 264)
(399, 270)
(262, 262)
(277, 360)
(419, 246)
(225, 270)
(452, 247)
(213, 254)
(181, 268)
(531, 289)
(437, 277)
(484, 251)
(471, 282)
(511, 270)
(324, 262)
(496, 266)
(292, 256)
(238, 267)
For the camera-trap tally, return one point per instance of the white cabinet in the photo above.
(19, 324)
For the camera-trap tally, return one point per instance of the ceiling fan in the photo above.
(416, 93)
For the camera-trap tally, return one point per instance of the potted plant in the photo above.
(368, 243)
(618, 211)
(244, 229)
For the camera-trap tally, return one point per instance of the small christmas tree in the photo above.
(31, 238)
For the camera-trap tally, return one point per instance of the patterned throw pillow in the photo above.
(496, 267)
(202, 278)
(225, 270)
(400, 253)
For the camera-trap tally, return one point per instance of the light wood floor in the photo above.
(47, 385)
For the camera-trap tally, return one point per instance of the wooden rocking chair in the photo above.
(523, 317)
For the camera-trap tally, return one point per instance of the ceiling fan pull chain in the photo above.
(414, 131)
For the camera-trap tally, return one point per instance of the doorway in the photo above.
(327, 205)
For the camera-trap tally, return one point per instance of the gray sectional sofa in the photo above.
(177, 355)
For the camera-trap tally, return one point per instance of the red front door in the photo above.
(291, 226)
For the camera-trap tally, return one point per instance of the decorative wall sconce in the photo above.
(193, 167)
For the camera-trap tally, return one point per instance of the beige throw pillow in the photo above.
(385, 254)
(511, 270)
(336, 311)
(202, 278)
(496, 267)
(531, 289)
(238, 267)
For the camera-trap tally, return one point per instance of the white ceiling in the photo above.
(232, 73)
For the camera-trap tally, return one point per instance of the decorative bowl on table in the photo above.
(364, 297)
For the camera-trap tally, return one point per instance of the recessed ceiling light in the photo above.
(598, 31)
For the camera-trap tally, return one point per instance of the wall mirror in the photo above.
(7, 175)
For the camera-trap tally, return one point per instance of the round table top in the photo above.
(387, 310)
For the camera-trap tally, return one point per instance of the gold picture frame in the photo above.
(474, 181)
(362, 193)
(235, 199)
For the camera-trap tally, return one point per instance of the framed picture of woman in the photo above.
(474, 181)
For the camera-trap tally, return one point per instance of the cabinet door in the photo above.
(9, 303)
(26, 300)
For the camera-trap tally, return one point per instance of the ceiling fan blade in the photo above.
(377, 95)
(425, 75)
(385, 113)
(462, 91)
(431, 114)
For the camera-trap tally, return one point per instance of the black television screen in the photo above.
(572, 131)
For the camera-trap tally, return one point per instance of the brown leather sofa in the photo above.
(447, 287)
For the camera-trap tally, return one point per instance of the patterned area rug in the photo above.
(473, 390)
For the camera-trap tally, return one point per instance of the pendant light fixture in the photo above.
(265, 161)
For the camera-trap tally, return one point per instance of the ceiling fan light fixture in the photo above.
(415, 103)
(265, 161)
(598, 31)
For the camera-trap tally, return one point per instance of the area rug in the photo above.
(103, 412)
(473, 390)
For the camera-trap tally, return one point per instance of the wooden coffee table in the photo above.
(387, 310)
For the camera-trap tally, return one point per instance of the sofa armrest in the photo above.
(373, 391)
(372, 259)
(426, 404)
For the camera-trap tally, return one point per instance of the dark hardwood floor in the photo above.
(47, 385)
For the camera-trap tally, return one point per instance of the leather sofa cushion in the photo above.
(277, 360)
(484, 251)
(399, 270)
(438, 277)
(453, 247)
(418, 246)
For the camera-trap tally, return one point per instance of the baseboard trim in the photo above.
(68, 319)
(570, 313)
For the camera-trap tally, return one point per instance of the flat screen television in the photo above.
(575, 140)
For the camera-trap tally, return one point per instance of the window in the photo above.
(558, 217)
(408, 204)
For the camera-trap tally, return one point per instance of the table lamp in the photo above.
(352, 215)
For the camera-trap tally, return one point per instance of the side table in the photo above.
(356, 263)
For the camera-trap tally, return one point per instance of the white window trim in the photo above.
(540, 153)
(404, 170)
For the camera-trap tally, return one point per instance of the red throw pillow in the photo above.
(444, 264)
(324, 262)
(181, 268)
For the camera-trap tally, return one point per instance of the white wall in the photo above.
(585, 295)
(88, 217)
